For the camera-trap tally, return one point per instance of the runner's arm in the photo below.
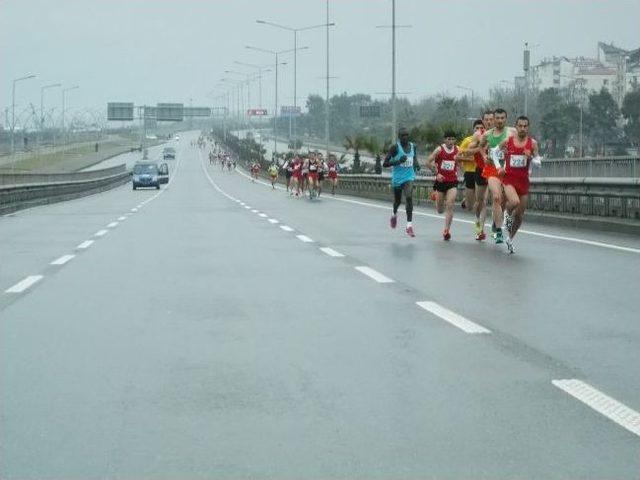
(388, 160)
(431, 159)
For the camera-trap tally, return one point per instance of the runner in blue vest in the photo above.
(403, 161)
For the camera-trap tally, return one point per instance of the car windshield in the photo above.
(140, 169)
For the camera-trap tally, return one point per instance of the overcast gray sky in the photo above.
(170, 51)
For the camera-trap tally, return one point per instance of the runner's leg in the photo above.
(518, 214)
(450, 201)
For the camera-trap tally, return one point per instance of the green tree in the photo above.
(355, 143)
(601, 119)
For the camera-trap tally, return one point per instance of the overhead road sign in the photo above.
(170, 112)
(120, 111)
(257, 112)
(197, 111)
(369, 111)
(290, 111)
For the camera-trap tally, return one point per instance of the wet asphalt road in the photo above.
(199, 339)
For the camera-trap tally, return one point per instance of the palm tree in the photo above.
(355, 143)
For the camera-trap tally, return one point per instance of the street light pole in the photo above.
(276, 54)
(326, 102)
(292, 123)
(42, 89)
(64, 91)
(469, 89)
(13, 108)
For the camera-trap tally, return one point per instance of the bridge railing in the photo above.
(622, 166)
(603, 197)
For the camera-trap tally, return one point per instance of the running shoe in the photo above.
(498, 237)
(410, 232)
(481, 236)
(478, 227)
(393, 221)
(509, 243)
(446, 235)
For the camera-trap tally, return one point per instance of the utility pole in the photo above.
(526, 64)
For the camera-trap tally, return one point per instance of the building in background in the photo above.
(615, 69)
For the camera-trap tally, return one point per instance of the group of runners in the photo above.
(304, 173)
(495, 160)
(224, 159)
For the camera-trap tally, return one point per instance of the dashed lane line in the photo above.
(24, 284)
(453, 318)
(304, 238)
(374, 274)
(62, 260)
(601, 403)
(331, 252)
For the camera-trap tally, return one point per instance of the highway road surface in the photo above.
(221, 329)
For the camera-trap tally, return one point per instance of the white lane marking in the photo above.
(273, 220)
(374, 274)
(85, 244)
(582, 241)
(24, 284)
(453, 318)
(112, 225)
(331, 252)
(304, 238)
(121, 219)
(62, 260)
(254, 211)
(472, 222)
(247, 207)
(286, 228)
(601, 403)
(134, 210)
(100, 233)
(263, 215)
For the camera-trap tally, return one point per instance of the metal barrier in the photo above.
(592, 167)
(602, 197)
(18, 191)
(12, 179)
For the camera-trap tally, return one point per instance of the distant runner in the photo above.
(332, 168)
(273, 174)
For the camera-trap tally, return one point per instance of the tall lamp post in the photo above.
(295, 59)
(276, 54)
(13, 108)
(64, 92)
(260, 69)
(468, 89)
(42, 89)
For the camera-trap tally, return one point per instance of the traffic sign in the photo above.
(369, 110)
(120, 111)
(197, 112)
(257, 112)
(170, 112)
(290, 111)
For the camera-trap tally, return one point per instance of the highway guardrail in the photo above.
(25, 190)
